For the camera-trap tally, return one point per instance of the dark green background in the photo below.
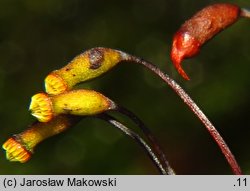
(37, 37)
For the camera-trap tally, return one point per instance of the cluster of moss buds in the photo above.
(54, 109)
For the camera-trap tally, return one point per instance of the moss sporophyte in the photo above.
(75, 102)
(45, 107)
(21, 146)
(62, 107)
(203, 26)
(86, 66)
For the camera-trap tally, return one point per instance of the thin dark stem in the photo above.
(136, 137)
(196, 110)
(152, 140)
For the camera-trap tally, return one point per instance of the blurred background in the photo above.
(37, 37)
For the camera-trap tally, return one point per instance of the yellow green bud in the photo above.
(20, 147)
(76, 102)
(86, 66)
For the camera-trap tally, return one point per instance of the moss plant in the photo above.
(62, 107)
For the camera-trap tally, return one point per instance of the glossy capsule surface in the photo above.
(196, 31)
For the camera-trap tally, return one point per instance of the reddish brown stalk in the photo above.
(195, 109)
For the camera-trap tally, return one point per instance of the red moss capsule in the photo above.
(200, 28)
